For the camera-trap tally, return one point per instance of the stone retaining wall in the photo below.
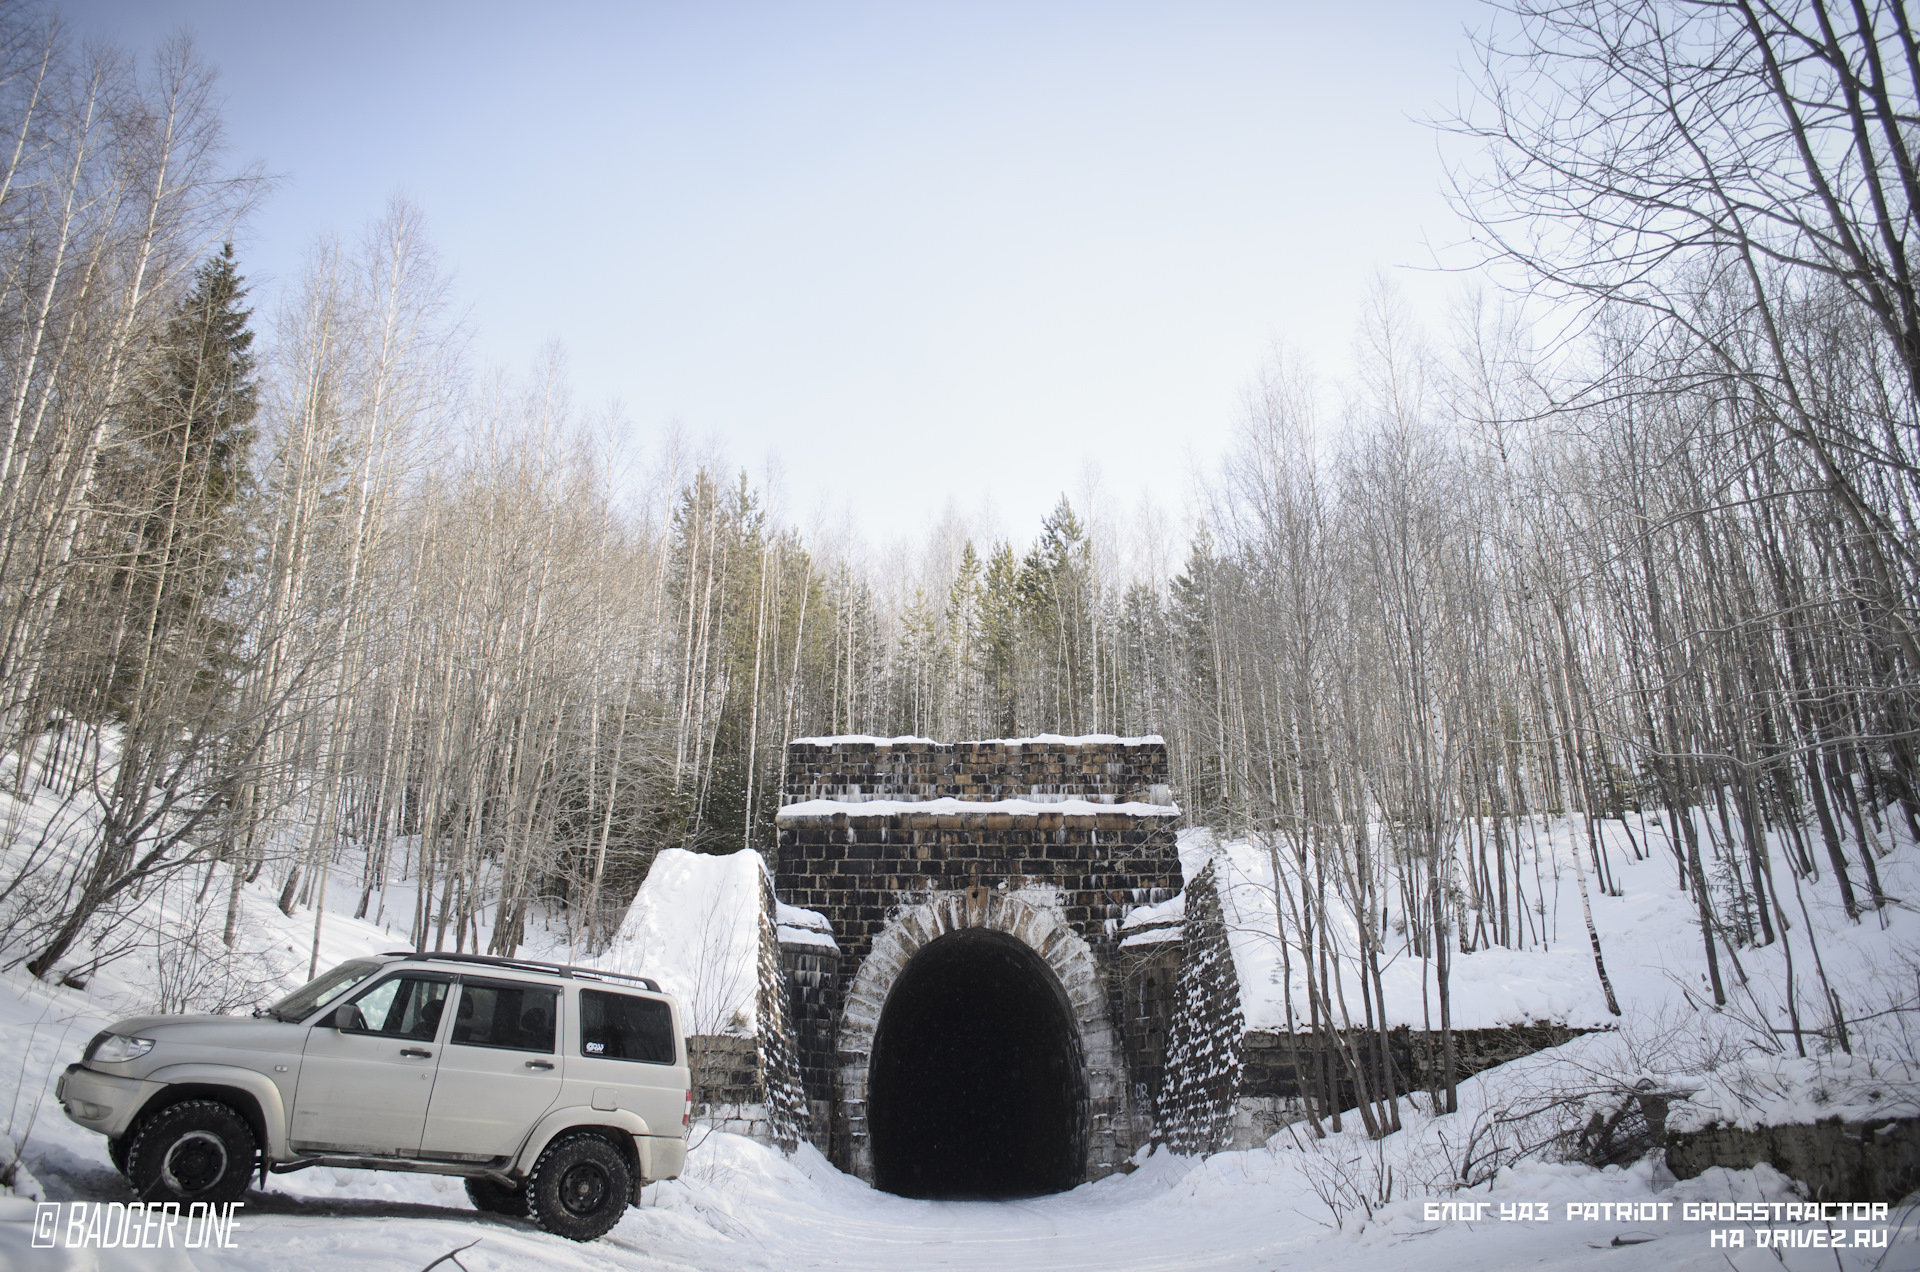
(1837, 1161)
(1226, 1086)
(1283, 1066)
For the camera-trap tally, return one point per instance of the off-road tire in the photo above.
(496, 1199)
(117, 1152)
(197, 1150)
(579, 1188)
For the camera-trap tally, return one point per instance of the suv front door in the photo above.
(365, 1088)
(499, 1071)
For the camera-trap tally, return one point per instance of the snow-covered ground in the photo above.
(744, 1207)
(1343, 1202)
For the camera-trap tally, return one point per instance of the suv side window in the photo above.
(509, 1014)
(625, 1027)
(403, 1006)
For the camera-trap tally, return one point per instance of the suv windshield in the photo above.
(318, 993)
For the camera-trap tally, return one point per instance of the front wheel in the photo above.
(579, 1187)
(198, 1150)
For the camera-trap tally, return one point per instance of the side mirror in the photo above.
(348, 1017)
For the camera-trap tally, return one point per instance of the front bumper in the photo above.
(102, 1102)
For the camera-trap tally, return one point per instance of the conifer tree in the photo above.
(188, 433)
(1000, 642)
(1056, 594)
(963, 644)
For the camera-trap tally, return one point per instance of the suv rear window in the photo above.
(625, 1027)
(510, 1014)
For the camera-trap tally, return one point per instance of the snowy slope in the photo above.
(1649, 936)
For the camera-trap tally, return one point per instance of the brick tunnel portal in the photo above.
(977, 1086)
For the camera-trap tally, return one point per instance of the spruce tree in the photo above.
(188, 433)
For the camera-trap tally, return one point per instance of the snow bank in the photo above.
(861, 739)
(1077, 739)
(1796, 1091)
(694, 927)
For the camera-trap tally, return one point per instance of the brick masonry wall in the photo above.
(787, 1114)
(1143, 983)
(1101, 772)
(857, 869)
(813, 997)
(1195, 1108)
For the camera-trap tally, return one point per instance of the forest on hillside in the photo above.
(1633, 531)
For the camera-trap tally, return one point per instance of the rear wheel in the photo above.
(579, 1188)
(198, 1150)
(497, 1199)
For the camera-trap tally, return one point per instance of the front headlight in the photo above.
(115, 1048)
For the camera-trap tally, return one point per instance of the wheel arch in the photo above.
(625, 1130)
(253, 1096)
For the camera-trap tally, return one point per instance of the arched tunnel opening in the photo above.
(976, 1086)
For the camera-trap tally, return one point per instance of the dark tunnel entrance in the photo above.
(976, 1086)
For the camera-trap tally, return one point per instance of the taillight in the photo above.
(686, 1117)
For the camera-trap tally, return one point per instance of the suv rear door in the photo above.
(626, 1054)
(366, 1088)
(499, 1070)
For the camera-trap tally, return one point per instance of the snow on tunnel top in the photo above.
(1038, 739)
(1046, 768)
(811, 809)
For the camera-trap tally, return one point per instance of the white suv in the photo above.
(555, 1091)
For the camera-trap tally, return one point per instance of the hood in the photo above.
(242, 1032)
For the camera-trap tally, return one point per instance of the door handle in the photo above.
(539, 1064)
(422, 1052)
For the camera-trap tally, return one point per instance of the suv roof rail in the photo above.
(530, 965)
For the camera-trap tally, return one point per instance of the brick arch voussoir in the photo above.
(1042, 930)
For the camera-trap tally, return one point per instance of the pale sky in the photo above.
(920, 253)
